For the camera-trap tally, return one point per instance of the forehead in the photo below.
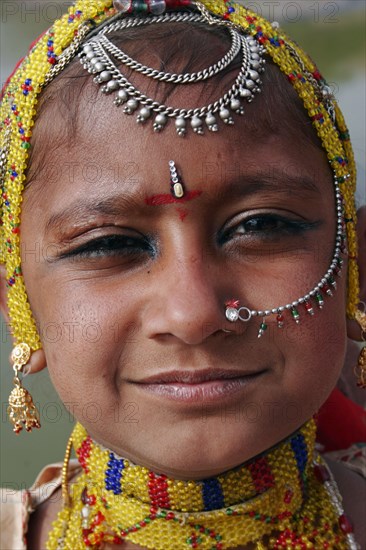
(82, 131)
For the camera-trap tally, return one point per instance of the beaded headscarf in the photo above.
(19, 108)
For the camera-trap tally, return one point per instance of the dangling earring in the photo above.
(360, 369)
(21, 408)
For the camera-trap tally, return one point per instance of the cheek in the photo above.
(314, 351)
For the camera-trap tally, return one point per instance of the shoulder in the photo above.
(41, 520)
(14, 512)
(26, 515)
(352, 487)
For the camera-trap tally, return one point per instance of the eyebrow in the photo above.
(239, 187)
(273, 183)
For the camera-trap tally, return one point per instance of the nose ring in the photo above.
(234, 313)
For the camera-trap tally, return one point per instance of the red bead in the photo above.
(345, 524)
(98, 518)
(92, 500)
(321, 473)
(117, 540)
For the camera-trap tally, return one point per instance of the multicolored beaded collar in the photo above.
(284, 498)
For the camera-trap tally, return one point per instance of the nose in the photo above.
(186, 301)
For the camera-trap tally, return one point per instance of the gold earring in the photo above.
(21, 408)
(360, 369)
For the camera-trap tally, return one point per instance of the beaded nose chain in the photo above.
(326, 285)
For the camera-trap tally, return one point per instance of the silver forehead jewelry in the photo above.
(98, 51)
(176, 186)
(327, 284)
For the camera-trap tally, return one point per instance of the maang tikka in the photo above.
(22, 411)
(176, 185)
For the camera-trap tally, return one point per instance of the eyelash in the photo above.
(282, 227)
(111, 245)
(117, 245)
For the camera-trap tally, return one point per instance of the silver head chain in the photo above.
(99, 56)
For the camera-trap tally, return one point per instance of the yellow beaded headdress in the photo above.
(52, 52)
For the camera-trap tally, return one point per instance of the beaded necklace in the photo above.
(284, 498)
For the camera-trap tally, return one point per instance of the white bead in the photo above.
(122, 5)
(224, 113)
(122, 95)
(131, 106)
(253, 75)
(87, 48)
(160, 119)
(99, 67)
(180, 122)
(234, 104)
(105, 76)
(196, 122)
(245, 93)
(145, 112)
(85, 511)
(232, 314)
(112, 85)
(157, 7)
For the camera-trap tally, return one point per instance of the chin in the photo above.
(203, 451)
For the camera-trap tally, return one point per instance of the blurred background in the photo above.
(333, 33)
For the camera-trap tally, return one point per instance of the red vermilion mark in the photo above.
(183, 213)
(166, 198)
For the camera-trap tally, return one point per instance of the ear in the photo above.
(37, 361)
(353, 329)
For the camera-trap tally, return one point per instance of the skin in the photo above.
(165, 302)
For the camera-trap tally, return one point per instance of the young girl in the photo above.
(205, 255)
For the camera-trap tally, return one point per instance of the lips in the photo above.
(195, 377)
(199, 387)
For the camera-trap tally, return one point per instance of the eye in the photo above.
(263, 223)
(265, 227)
(110, 246)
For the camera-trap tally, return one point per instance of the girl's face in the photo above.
(129, 287)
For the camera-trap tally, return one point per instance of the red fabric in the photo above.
(341, 422)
